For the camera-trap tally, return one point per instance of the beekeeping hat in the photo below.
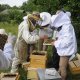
(35, 15)
(60, 19)
(2, 31)
(46, 18)
(68, 13)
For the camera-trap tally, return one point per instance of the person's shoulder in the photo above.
(25, 17)
(21, 23)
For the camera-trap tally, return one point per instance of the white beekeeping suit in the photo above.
(25, 37)
(66, 44)
(7, 54)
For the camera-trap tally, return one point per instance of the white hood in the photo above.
(60, 19)
(25, 17)
(68, 13)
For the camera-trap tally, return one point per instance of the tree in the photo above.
(15, 15)
(3, 7)
(29, 6)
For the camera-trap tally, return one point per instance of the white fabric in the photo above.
(68, 13)
(60, 19)
(11, 39)
(46, 18)
(25, 34)
(48, 31)
(25, 17)
(52, 20)
(24, 37)
(51, 72)
(8, 51)
(66, 43)
(6, 56)
(2, 31)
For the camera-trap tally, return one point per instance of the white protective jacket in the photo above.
(48, 31)
(6, 56)
(24, 37)
(66, 44)
(25, 34)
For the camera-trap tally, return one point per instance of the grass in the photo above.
(13, 28)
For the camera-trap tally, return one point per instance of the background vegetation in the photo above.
(9, 27)
(14, 14)
(10, 17)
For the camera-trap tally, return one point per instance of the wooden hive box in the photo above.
(74, 67)
(9, 76)
(38, 59)
(32, 74)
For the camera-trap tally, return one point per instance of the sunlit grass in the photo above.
(13, 28)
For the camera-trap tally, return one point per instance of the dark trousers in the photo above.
(30, 48)
(55, 58)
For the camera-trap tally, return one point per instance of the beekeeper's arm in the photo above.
(27, 36)
(65, 38)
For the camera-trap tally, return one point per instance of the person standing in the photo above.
(45, 31)
(25, 36)
(65, 43)
(6, 49)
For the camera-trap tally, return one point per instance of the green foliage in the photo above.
(10, 15)
(3, 7)
(29, 6)
(4, 18)
(13, 28)
(15, 15)
(77, 31)
(46, 5)
(51, 6)
(40, 5)
(22, 72)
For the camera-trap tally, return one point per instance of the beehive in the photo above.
(9, 76)
(74, 67)
(38, 59)
(32, 74)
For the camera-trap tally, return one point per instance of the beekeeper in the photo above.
(65, 42)
(45, 31)
(6, 50)
(25, 37)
